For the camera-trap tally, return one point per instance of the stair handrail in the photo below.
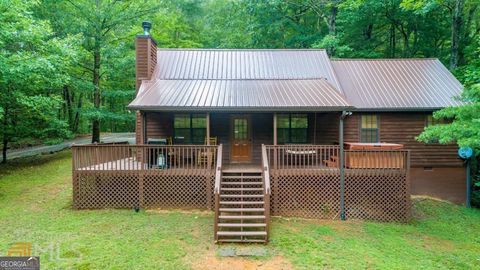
(216, 190)
(267, 191)
(218, 170)
(266, 170)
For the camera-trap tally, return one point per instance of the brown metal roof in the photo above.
(250, 64)
(397, 84)
(255, 95)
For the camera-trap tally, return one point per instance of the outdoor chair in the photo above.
(207, 157)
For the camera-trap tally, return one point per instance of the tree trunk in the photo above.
(5, 135)
(393, 41)
(96, 93)
(68, 103)
(332, 20)
(76, 120)
(456, 32)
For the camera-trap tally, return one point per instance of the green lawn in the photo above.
(35, 206)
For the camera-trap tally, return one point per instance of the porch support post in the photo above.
(274, 128)
(144, 120)
(275, 140)
(208, 128)
(342, 168)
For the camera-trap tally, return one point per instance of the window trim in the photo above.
(190, 128)
(360, 127)
(289, 139)
(434, 121)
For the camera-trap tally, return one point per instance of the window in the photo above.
(292, 128)
(189, 128)
(240, 129)
(369, 128)
(430, 121)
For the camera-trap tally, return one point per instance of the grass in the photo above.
(35, 206)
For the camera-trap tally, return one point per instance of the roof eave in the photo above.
(240, 109)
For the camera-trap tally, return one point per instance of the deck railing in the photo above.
(101, 157)
(126, 176)
(302, 156)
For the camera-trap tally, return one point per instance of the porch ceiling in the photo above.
(240, 95)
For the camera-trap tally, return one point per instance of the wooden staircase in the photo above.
(241, 213)
(242, 202)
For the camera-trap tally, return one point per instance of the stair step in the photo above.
(242, 189)
(241, 177)
(222, 233)
(242, 240)
(241, 196)
(242, 183)
(242, 209)
(241, 217)
(239, 225)
(244, 202)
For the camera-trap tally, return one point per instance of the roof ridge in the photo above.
(241, 49)
(249, 79)
(383, 59)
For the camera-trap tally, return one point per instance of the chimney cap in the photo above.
(146, 25)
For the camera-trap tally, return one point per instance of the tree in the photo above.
(31, 61)
(103, 24)
(464, 128)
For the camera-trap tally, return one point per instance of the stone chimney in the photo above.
(146, 60)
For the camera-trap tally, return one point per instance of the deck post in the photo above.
(342, 168)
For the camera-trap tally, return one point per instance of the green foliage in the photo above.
(81, 53)
(30, 54)
(441, 236)
(464, 128)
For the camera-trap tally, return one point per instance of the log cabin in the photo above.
(291, 132)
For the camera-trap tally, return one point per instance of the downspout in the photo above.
(342, 165)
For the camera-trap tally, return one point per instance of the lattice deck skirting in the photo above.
(129, 189)
(372, 195)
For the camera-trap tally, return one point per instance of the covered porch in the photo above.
(243, 133)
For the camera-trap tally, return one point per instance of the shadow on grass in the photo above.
(20, 163)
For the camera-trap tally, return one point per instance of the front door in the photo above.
(241, 140)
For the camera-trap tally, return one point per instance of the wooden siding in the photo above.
(394, 128)
(159, 125)
(402, 128)
(146, 60)
(325, 131)
(444, 183)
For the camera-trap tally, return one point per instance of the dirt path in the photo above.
(213, 261)
(43, 149)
